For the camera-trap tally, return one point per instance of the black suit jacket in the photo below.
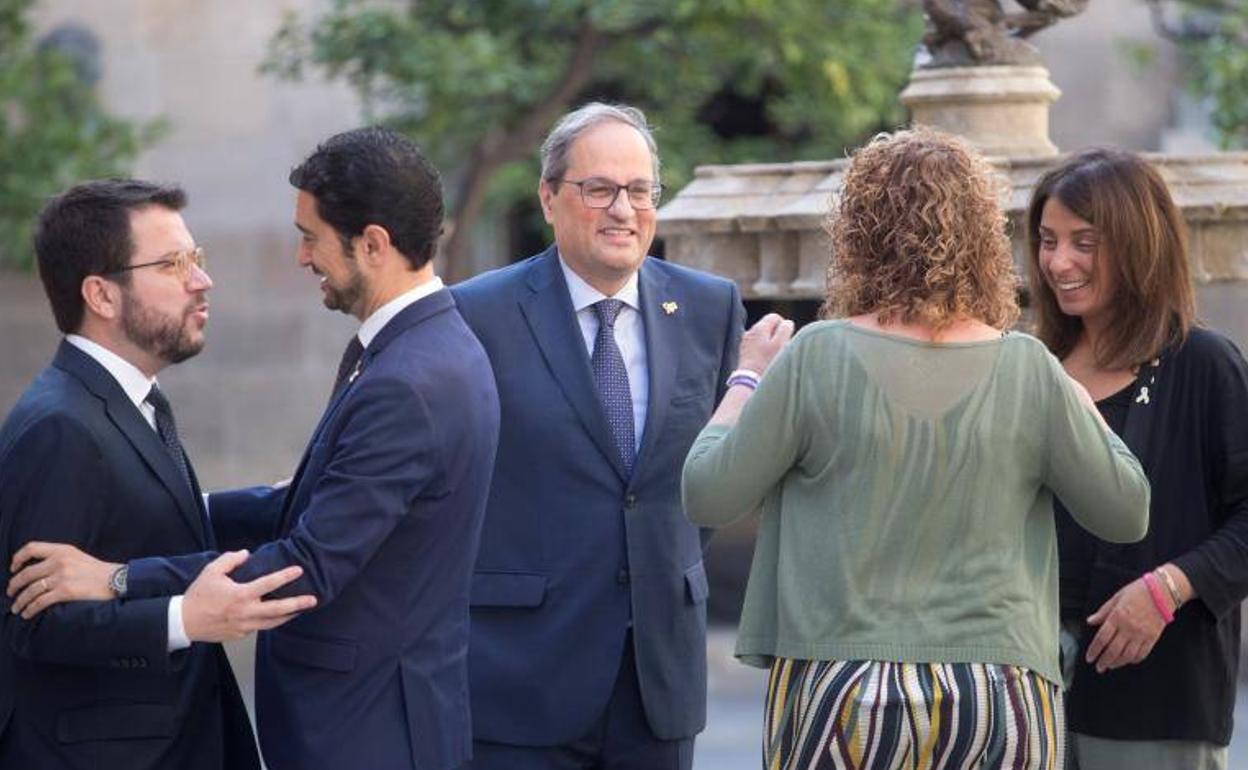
(91, 684)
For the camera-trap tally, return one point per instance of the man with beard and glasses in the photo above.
(90, 456)
(384, 513)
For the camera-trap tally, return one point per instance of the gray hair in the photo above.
(570, 126)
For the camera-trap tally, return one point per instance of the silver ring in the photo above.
(43, 583)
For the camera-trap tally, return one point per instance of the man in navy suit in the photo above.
(90, 456)
(589, 596)
(384, 512)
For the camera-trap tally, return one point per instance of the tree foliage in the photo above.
(1214, 34)
(478, 83)
(53, 131)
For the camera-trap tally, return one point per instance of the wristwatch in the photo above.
(117, 581)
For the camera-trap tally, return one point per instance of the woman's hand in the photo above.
(759, 345)
(1130, 625)
(763, 341)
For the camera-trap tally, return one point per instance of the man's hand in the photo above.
(1129, 627)
(49, 573)
(762, 341)
(217, 609)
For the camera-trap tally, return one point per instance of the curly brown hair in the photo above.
(918, 235)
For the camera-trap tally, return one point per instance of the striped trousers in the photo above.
(875, 715)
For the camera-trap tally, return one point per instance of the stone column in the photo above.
(1002, 109)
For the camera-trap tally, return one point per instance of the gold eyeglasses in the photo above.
(182, 262)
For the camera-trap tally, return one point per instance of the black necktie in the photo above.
(350, 357)
(168, 431)
(611, 377)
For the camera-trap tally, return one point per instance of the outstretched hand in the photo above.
(218, 609)
(50, 573)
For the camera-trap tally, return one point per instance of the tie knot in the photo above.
(608, 310)
(157, 399)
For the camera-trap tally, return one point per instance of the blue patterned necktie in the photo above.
(167, 429)
(611, 377)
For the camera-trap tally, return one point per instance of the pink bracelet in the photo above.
(1159, 599)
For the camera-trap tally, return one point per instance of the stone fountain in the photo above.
(762, 225)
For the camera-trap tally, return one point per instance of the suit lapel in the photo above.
(123, 414)
(420, 310)
(664, 338)
(548, 310)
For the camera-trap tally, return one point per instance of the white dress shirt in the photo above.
(630, 336)
(136, 386)
(384, 314)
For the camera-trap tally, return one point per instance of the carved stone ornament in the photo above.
(963, 33)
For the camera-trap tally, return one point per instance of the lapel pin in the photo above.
(355, 372)
(1143, 397)
(670, 307)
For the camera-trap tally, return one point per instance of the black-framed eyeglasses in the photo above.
(599, 193)
(182, 262)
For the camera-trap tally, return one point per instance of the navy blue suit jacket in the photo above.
(384, 515)
(573, 550)
(91, 684)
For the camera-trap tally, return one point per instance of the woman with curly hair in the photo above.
(904, 585)
(1153, 627)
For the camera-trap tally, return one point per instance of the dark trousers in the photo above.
(620, 739)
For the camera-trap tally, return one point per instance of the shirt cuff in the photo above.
(177, 631)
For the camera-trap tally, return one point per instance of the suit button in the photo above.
(630, 500)
(621, 577)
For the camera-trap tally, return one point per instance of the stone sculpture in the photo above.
(980, 32)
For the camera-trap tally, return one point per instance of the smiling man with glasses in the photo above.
(589, 596)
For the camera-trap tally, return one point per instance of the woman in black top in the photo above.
(1156, 622)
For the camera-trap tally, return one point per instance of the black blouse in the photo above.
(1186, 419)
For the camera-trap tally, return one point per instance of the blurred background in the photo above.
(224, 97)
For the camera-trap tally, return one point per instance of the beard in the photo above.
(165, 337)
(345, 299)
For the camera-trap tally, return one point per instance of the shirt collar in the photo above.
(584, 295)
(135, 383)
(384, 314)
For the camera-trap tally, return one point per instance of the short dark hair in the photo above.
(375, 176)
(86, 231)
(1143, 236)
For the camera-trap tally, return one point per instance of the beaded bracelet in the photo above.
(1159, 600)
(747, 377)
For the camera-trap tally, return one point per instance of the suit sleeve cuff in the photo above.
(177, 631)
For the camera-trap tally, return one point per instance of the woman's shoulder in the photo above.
(1210, 356)
(1206, 345)
(824, 328)
(1028, 350)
